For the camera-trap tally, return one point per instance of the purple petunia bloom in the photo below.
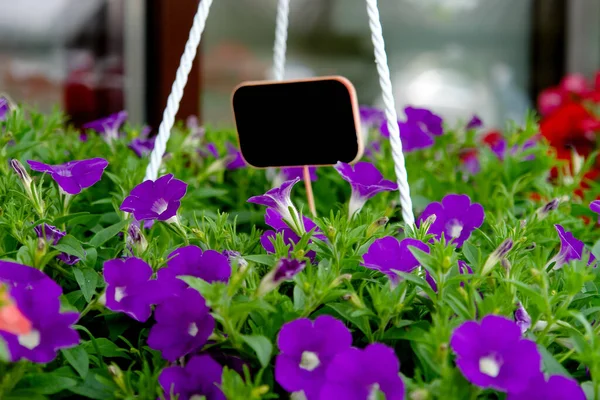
(158, 199)
(371, 117)
(4, 108)
(279, 199)
(292, 173)
(198, 379)
(557, 387)
(142, 146)
(455, 217)
(474, 123)
(366, 181)
(306, 349)
(235, 159)
(49, 233)
(571, 249)
(492, 354)
(522, 318)
(183, 325)
(109, 126)
(595, 207)
(129, 288)
(500, 147)
(37, 297)
(209, 265)
(285, 270)
(388, 255)
(419, 129)
(73, 176)
(53, 235)
(349, 378)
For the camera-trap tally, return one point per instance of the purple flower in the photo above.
(274, 220)
(371, 117)
(235, 257)
(357, 374)
(49, 233)
(557, 387)
(470, 161)
(571, 249)
(158, 199)
(306, 349)
(595, 207)
(388, 255)
(53, 235)
(73, 176)
(474, 123)
(500, 147)
(209, 265)
(195, 129)
(109, 126)
(183, 325)
(285, 270)
(366, 181)
(234, 157)
(142, 146)
(68, 259)
(492, 354)
(135, 238)
(4, 108)
(279, 199)
(211, 149)
(455, 217)
(522, 318)
(298, 172)
(418, 130)
(37, 297)
(129, 288)
(198, 379)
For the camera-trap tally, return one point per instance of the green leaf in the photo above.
(107, 233)
(46, 383)
(24, 395)
(66, 218)
(414, 332)
(87, 279)
(79, 360)
(346, 311)
(71, 246)
(91, 255)
(472, 254)
(551, 365)
(96, 387)
(106, 348)
(265, 259)
(261, 346)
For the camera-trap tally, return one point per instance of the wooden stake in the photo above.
(309, 192)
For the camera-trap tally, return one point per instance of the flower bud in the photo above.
(375, 226)
(428, 222)
(338, 281)
(419, 394)
(506, 264)
(285, 270)
(497, 255)
(552, 205)
(135, 239)
(522, 318)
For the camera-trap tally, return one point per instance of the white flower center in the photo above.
(193, 329)
(159, 206)
(490, 366)
(119, 294)
(30, 340)
(455, 229)
(373, 391)
(310, 361)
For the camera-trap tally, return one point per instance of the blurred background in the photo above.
(458, 57)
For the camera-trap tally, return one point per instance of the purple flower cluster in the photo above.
(183, 322)
(366, 181)
(279, 200)
(38, 299)
(73, 176)
(198, 379)
(493, 354)
(389, 255)
(143, 145)
(419, 129)
(52, 235)
(317, 358)
(455, 217)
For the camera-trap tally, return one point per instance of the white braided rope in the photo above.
(390, 111)
(281, 33)
(185, 66)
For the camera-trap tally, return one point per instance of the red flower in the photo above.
(492, 138)
(571, 125)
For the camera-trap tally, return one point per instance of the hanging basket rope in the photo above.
(279, 56)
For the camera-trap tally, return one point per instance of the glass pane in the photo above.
(65, 53)
(456, 57)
